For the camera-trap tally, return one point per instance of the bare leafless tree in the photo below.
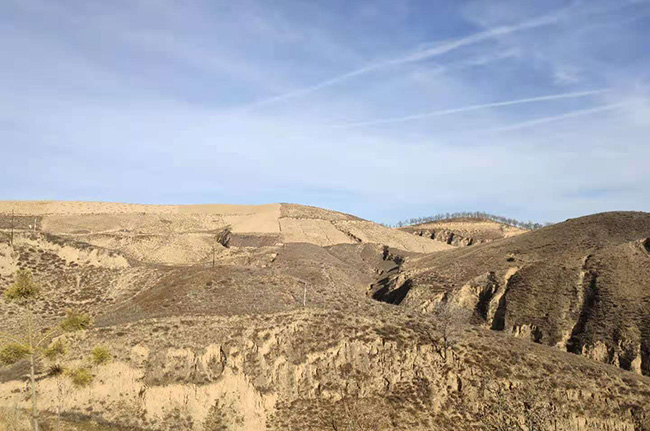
(350, 413)
(450, 321)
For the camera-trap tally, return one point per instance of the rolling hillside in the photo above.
(582, 285)
(285, 317)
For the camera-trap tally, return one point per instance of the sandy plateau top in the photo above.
(140, 230)
(80, 207)
(261, 214)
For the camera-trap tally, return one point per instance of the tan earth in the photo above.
(186, 234)
(287, 317)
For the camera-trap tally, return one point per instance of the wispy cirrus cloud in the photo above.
(443, 112)
(446, 47)
(561, 117)
(417, 56)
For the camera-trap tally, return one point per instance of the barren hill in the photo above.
(275, 317)
(582, 285)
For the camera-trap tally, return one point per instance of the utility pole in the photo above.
(214, 251)
(11, 237)
(304, 296)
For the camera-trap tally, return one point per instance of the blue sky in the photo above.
(386, 109)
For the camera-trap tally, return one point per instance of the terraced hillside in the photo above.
(188, 234)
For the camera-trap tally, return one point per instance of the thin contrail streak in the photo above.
(444, 112)
(544, 120)
(417, 56)
(544, 20)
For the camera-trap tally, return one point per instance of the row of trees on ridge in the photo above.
(472, 214)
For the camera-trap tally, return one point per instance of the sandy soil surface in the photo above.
(187, 233)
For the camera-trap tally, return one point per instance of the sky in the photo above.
(387, 109)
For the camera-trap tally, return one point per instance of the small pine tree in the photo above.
(23, 289)
(31, 342)
(100, 355)
(79, 377)
(75, 321)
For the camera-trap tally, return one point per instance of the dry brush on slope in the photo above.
(582, 285)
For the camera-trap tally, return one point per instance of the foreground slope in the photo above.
(288, 337)
(582, 285)
(324, 370)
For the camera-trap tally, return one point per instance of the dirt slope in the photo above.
(582, 285)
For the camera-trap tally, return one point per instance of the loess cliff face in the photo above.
(231, 325)
(310, 370)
